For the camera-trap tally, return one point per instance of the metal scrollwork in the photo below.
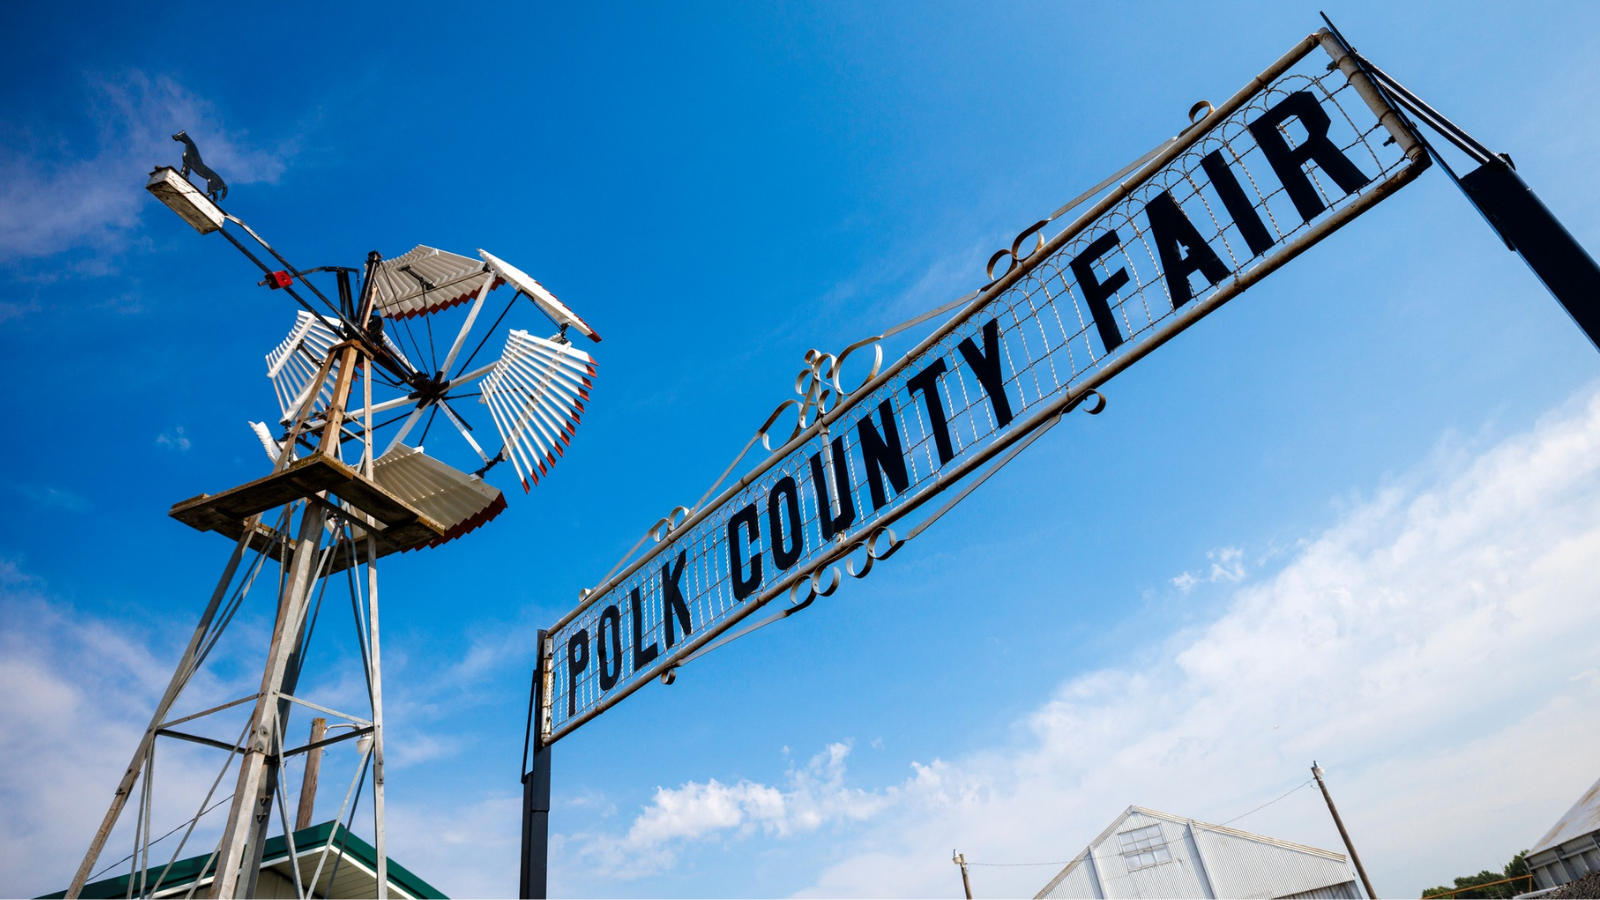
(1015, 254)
(814, 588)
(874, 554)
(664, 527)
(819, 387)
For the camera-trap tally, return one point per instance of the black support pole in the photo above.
(535, 792)
(1529, 228)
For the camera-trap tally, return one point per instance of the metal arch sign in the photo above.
(1303, 149)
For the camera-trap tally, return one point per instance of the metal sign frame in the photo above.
(992, 376)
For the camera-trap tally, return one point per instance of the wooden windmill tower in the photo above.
(354, 383)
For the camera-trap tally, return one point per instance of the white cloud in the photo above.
(1227, 564)
(74, 694)
(1434, 650)
(815, 795)
(57, 196)
(174, 439)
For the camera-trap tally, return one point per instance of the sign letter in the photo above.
(882, 453)
(577, 661)
(1170, 228)
(642, 655)
(986, 366)
(927, 381)
(1289, 162)
(1097, 292)
(745, 519)
(1237, 203)
(786, 543)
(672, 598)
(833, 524)
(610, 662)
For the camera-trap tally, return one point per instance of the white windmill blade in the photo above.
(456, 500)
(535, 395)
(425, 280)
(295, 362)
(536, 292)
(268, 443)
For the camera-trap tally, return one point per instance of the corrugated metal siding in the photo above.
(1177, 878)
(1346, 891)
(1581, 820)
(1249, 868)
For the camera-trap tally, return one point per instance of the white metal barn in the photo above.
(1571, 848)
(1145, 853)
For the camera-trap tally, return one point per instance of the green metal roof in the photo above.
(307, 840)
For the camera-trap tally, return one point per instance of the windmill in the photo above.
(361, 380)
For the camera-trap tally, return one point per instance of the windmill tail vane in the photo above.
(359, 383)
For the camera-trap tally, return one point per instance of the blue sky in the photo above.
(1349, 517)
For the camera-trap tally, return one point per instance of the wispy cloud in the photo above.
(174, 439)
(814, 795)
(1227, 564)
(60, 195)
(53, 497)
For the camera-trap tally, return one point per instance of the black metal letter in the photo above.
(1171, 228)
(1239, 207)
(833, 524)
(642, 655)
(610, 663)
(672, 598)
(1289, 162)
(577, 661)
(927, 381)
(986, 365)
(1097, 292)
(786, 543)
(882, 453)
(742, 586)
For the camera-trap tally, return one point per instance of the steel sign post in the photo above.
(1306, 147)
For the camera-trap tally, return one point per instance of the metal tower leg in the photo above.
(380, 841)
(180, 677)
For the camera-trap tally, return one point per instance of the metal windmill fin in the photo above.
(454, 499)
(533, 394)
(268, 442)
(425, 280)
(536, 292)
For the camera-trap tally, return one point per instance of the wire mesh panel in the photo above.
(1251, 185)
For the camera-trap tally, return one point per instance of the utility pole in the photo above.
(308, 786)
(961, 861)
(1316, 772)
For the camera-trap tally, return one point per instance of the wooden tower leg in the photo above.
(250, 810)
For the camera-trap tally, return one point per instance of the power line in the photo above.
(160, 839)
(1270, 802)
(1063, 862)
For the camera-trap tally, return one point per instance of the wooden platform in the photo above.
(400, 526)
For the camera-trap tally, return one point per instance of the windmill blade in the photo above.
(535, 395)
(268, 442)
(454, 499)
(426, 280)
(536, 292)
(295, 362)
